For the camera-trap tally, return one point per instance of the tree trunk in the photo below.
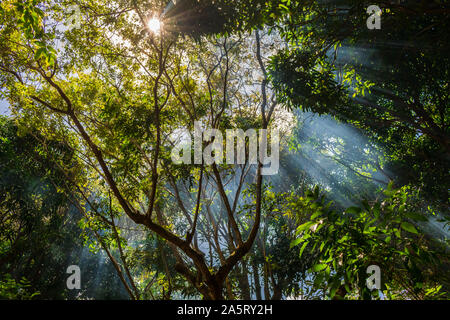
(266, 282)
(243, 281)
(256, 280)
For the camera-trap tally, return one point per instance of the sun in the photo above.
(154, 25)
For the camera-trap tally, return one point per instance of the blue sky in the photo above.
(4, 108)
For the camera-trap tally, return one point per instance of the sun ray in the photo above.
(154, 25)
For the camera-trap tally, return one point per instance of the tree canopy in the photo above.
(102, 93)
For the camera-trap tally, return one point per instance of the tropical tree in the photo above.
(111, 90)
(115, 91)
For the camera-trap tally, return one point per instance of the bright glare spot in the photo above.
(154, 25)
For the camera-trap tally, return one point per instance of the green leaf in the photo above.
(304, 226)
(322, 246)
(319, 267)
(295, 242)
(39, 52)
(316, 214)
(302, 249)
(416, 216)
(409, 227)
(353, 210)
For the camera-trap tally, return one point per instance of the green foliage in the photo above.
(39, 235)
(397, 94)
(93, 122)
(33, 208)
(18, 290)
(391, 83)
(30, 20)
(225, 16)
(382, 233)
(305, 82)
